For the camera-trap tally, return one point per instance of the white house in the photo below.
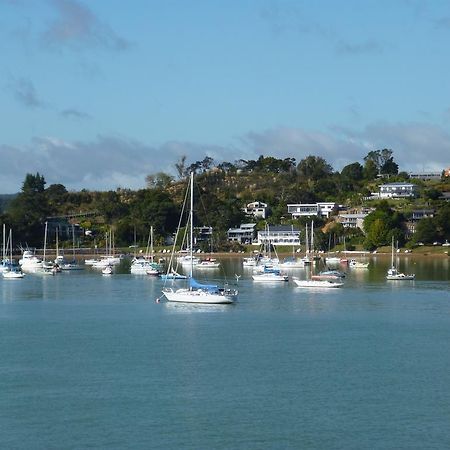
(322, 209)
(352, 220)
(257, 209)
(398, 190)
(245, 234)
(279, 235)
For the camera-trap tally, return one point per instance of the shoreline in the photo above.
(91, 253)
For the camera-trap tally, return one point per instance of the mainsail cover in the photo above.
(194, 284)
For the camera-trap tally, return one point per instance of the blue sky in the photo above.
(98, 94)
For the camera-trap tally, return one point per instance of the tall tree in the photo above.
(314, 168)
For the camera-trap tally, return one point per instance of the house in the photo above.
(202, 234)
(425, 175)
(352, 220)
(64, 229)
(398, 190)
(257, 209)
(416, 216)
(245, 234)
(278, 235)
(321, 209)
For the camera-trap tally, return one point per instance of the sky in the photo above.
(98, 94)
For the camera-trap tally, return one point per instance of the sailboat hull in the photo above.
(200, 296)
(317, 284)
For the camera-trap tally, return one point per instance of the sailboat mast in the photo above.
(45, 239)
(4, 243)
(151, 243)
(191, 220)
(392, 254)
(73, 242)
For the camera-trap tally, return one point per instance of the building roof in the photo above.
(281, 228)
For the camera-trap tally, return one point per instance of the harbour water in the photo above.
(88, 361)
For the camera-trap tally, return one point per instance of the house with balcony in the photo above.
(256, 209)
(398, 190)
(245, 234)
(321, 209)
(202, 234)
(353, 219)
(416, 216)
(278, 235)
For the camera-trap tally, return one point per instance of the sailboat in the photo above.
(267, 269)
(47, 267)
(197, 292)
(5, 263)
(321, 281)
(109, 258)
(12, 272)
(62, 262)
(393, 273)
(145, 265)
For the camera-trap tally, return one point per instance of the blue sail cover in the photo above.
(194, 284)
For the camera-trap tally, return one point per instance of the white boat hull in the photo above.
(269, 277)
(199, 296)
(400, 276)
(317, 284)
(12, 275)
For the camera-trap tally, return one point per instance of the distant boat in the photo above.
(393, 274)
(146, 265)
(208, 263)
(269, 274)
(355, 264)
(107, 270)
(61, 262)
(11, 272)
(314, 283)
(173, 276)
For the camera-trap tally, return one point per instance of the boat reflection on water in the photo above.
(195, 308)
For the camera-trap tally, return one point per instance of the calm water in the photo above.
(88, 361)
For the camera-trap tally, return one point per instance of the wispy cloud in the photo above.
(289, 17)
(369, 46)
(74, 114)
(25, 93)
(443, 23)
(109, 162)
(76, 26)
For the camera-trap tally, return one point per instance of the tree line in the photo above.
(223, 189)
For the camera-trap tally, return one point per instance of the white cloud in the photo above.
(109, 162)
(76, 26)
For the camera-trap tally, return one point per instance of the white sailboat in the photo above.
(5, 263)
(317, 281)
(393, 274)
(197, 292)
(12, 272)
(110, 258)
(62, 262)
(46, 267)
(145, 265)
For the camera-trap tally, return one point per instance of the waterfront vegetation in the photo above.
(224, 189)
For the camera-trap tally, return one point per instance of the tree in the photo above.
(352, 172)
(314, 168)
(33, 183)
(181, 166)
(370, 169)
(56, 195)
(380, 225)
(425, 231)
(159, 180)
(389, 167)
(27, 211)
